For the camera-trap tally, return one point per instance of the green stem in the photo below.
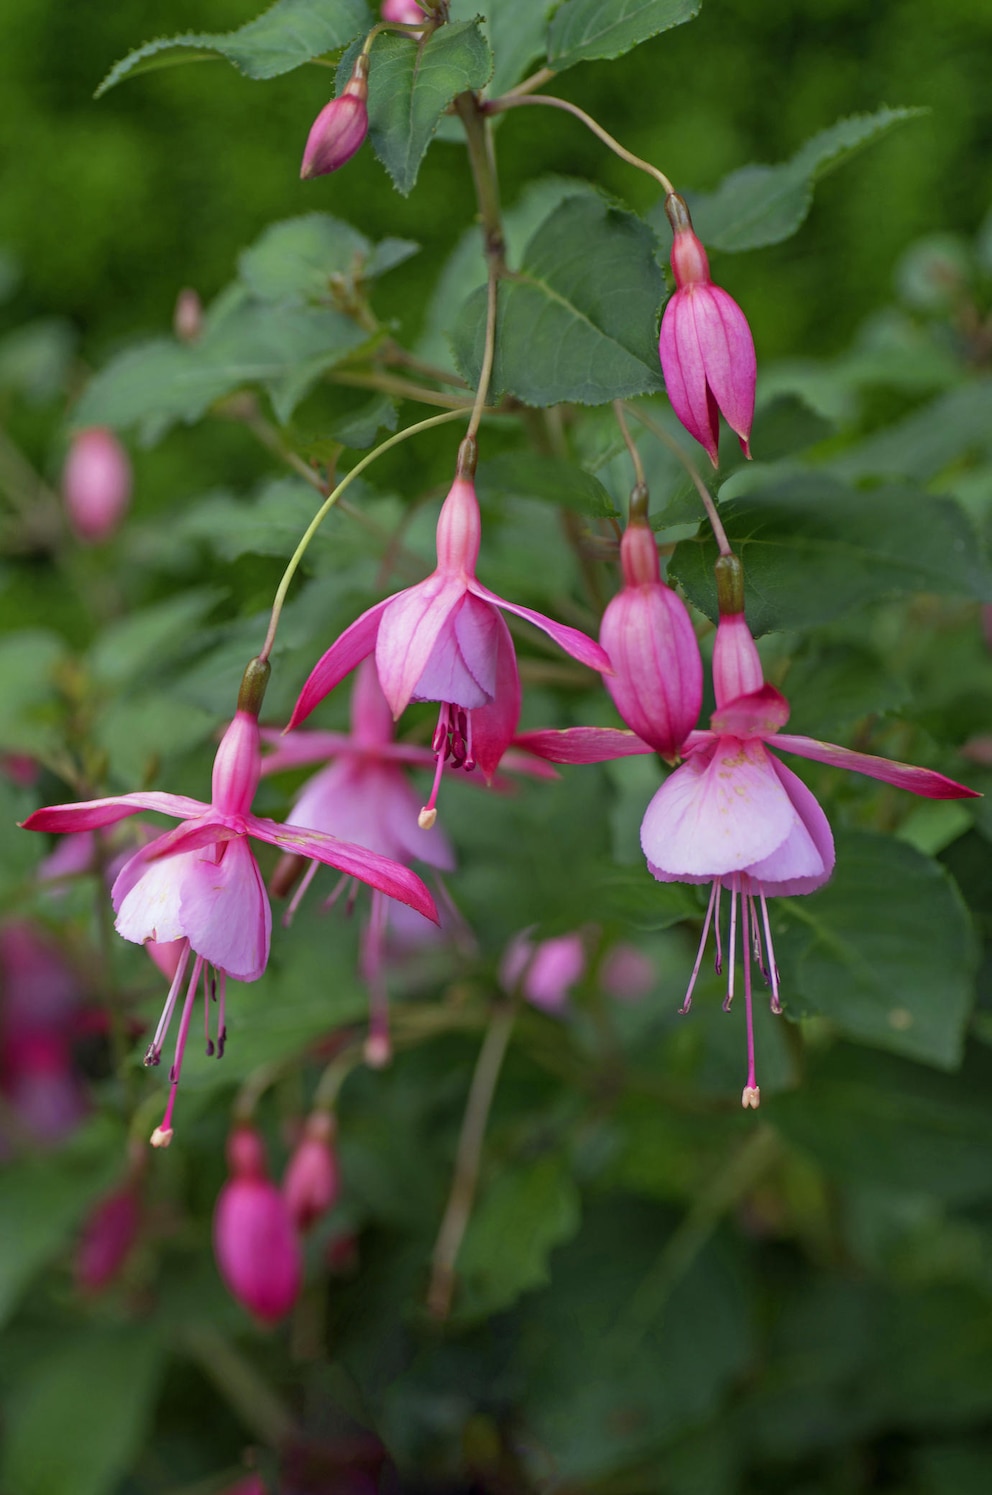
(253, 1399)
(516, 100)
(716, 524)
(328, 504)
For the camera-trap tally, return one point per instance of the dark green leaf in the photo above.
(585, 29)
(889, 954)
(813, 549)
(287, 35)
(579, 320)
(411, 86)
(528, 475)
(28, 663)
(760, 205)
(951, 429)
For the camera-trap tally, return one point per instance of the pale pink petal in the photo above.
(461, 667)
(372, 805)
(722, 810)
(147, 896)
(574, 642)
(379, 872)
(494, 724)
(584, 744)
(757, 715)
(92, 813)
(349, 649)
(224, 910)
(780, 874)
(408, 632)
(924, 781)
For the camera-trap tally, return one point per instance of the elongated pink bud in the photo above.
(736, 665)
(256, 1248)
(237, 766)
(405, 12)
(107, 1237)
(459, 529)
(657, 680)
(312, 1181)
(96, 484)
(340, 127)
(706, 348)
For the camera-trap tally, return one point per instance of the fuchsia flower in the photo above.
(734, 816)
(257, 1251)
(546, 971)
(340, 127)
(312, 1181)
(200, 883)
(657, 680)
(96, 484)
(706, 348)
(444, 640)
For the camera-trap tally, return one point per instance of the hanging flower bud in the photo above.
(403, 12)
(312, 1181)
(706, 348)
(107, 1237)
(545, 972)
(96, 484)
(340, 127)
(657, 680)
(187, 319)
(256, 1248)
(736, 666)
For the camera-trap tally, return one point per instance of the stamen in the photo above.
(718, 964)
(206, 1015)
(428, 814)
(714, 895)
(751, 1095)
(378, 1047)
(469, 763)
(297, 897)
(732, 952)
(773, 976)
(335, 894)
(162, 1135)
(221, 1010)
(439, 742)
(153, 1056)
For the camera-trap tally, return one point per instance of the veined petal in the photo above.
(92, 813)
(582, 744)
(806, 857)
(408, 632)
(494, 724)
(657, 683)
(759, 714)
(724, 809)
(147, 899)
(378, 871)
(728, 352)
(683, 365)
(461, 667)
(340, 659)
(579, 645)
(224, 910)
(924, 781)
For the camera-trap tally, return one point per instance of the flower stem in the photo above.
(467, 1160)
(716, 524)
(630, 444)
(514, 100)
(328, 504)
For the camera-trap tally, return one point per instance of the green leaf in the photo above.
(411, 86)
(28, 662)
(889, 954)
(528, 475)
(579, 320)
(516, 31)
(526, 1211)
(298, 259)
(582, 30)
(760, 205)
(76, 1425)
(813, 549)
(133, 648)
(284, 37)
(941, 434)
(283, 348)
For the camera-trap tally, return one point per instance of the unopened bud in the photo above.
(255, 1244)
(403, 12)
(340, 127)
(96, 484)
(187, 319)
(312, 1181)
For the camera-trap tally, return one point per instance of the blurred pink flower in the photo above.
(109, 1232)
(312, 1181)
(544, 972)
(255, 1245)
(96, 484)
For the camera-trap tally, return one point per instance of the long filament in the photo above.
(687, 1001)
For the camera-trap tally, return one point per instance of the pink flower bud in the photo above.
(736, 665)
(405, 12)
(312, 1181)
(627, 973)
(706, 348)
(257, 1251)
(20, 769)
(96, 484)
(657, 680)
(187, 319)
(107, 1237)
(340, 127)
(544, 972)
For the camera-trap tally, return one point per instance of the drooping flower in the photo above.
(657, 680)
(340, 127)
(705, 346)
(42, 1092)
(444, 640)
(255, 1245)
(200, 883)
(96, 484)
(734, 816)
(312, 1181)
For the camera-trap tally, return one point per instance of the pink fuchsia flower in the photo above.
(403, 12)
(657, 680)
(96, 484)
(545, 972)
(706, 348)
(312, 1181)
(444, 640)
(200, 883)
(340, 127)
(255, 1245)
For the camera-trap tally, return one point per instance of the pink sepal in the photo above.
(579, 645)
(94, 813)
(757, 715)
(924, 781)
(408, 631)
(582, 744)
(340, 659)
